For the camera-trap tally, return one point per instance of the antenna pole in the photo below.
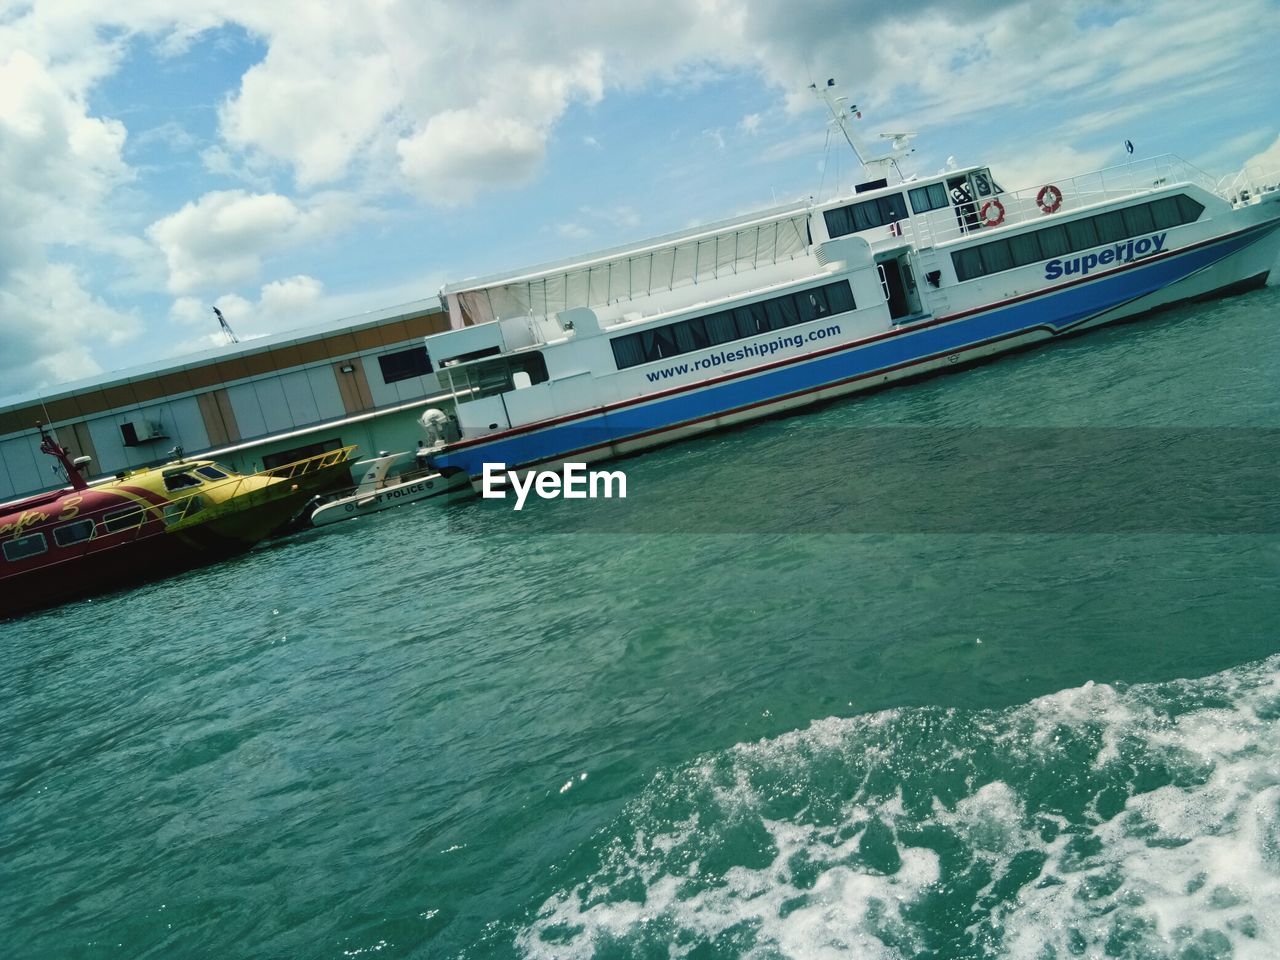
(841, 118)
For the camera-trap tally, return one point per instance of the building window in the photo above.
(404, 364)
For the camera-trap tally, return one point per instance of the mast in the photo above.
(54, 449)
(843, 118)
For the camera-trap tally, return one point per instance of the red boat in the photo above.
(145, 524)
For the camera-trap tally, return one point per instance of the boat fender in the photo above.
(1049, 199)
(992, 219)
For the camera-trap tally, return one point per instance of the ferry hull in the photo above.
(1238, 260)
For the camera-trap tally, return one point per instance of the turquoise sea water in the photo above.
(458, 732)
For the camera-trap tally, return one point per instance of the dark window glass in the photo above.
(773, 310)
(996, 256)
(790, 315)
(867, 215)
(892, 208)
(691, 335)
(752, 319)
(840, 296)
(1024, 249)
(1189, 208)
(658, 343)
(413, 362)
(24, 547)
(1164, 213)
(812, 304)
(968, 263)
(839, 221)
(125, 518)
(71, 533)
(1053, 241)
(626, 351)
(211, 473)
(1138, 220)
(1110, 227)
(1082, 234)
(179, 481)
(932, 197)
(720, 328)
(533, 363)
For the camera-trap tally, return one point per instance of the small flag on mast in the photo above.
(1128, 146)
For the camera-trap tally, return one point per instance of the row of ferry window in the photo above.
(1075, 235)
(739, 323)
(882, 211)
(75, 532)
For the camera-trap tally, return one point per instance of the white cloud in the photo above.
(750, 124)
(57, 166)
(281, 305)
(1266, 164)
(220, 239)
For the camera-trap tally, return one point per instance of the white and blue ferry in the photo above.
(600, 357)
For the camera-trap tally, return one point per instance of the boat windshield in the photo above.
(180, 481)
(210, 472)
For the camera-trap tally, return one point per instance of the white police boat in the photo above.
(377, 490)
(584, 360)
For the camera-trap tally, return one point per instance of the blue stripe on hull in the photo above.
(1057, 311)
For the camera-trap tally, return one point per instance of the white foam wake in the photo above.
(1093, 822)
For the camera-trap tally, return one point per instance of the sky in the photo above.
(296, 163)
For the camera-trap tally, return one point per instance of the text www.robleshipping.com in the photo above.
(793, 341)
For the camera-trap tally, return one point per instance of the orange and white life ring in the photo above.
(989, 219)
(1049, 199)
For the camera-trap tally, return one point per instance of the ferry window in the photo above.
(932, 197)
(72, 533)
(124, 519)
(720, 328)
(839, 221)
(626, 351)
(658, 343)
(1138, 219)
(1164, 213)
(752, 319)
(691, 335)
(180, 481)
(968, 263)
(1025, 249)
(787, 308)
(1082, 234)
(211, 473)
(1189, 209)
(865, 215)
(404, 364)
(1110, 227)
(1053, 241)
(812, 304)
(534, 364)
(996, 256)
(840, 296)
(23, 547)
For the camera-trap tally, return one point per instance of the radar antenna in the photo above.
(843, 116)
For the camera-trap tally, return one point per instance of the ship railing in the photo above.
(1247, 186)
(233, 493)
(1027, 204)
